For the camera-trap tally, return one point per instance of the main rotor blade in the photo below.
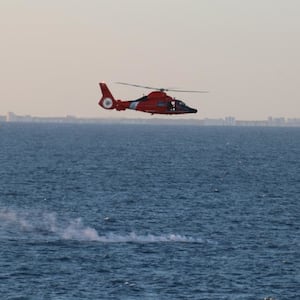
(140, 86)
(185, 91)
(162, 89)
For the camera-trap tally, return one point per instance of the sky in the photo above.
(246, 53)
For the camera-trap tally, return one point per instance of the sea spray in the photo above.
(74, 229)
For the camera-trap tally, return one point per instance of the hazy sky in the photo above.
(245, 52)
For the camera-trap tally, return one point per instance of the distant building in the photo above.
(293, 122)
(229, 121)
(12, 117)
(251, 123)
(213, 122)
(276, 121)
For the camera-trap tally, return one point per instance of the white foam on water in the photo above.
(77, 231)
(92, 235)
(8, 217)
(74, 229)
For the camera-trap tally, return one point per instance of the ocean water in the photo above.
(149, 212)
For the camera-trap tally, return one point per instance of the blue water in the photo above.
(149, 212)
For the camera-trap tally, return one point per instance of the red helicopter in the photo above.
(157, 102)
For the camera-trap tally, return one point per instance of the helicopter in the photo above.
(157, 102)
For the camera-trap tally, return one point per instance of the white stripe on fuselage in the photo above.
(133, 105)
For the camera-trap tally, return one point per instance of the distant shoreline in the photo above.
(228, 121)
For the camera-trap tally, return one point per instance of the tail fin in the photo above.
(107, 101)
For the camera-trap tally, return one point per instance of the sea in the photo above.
(145, 211)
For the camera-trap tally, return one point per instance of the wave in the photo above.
(74, 229)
